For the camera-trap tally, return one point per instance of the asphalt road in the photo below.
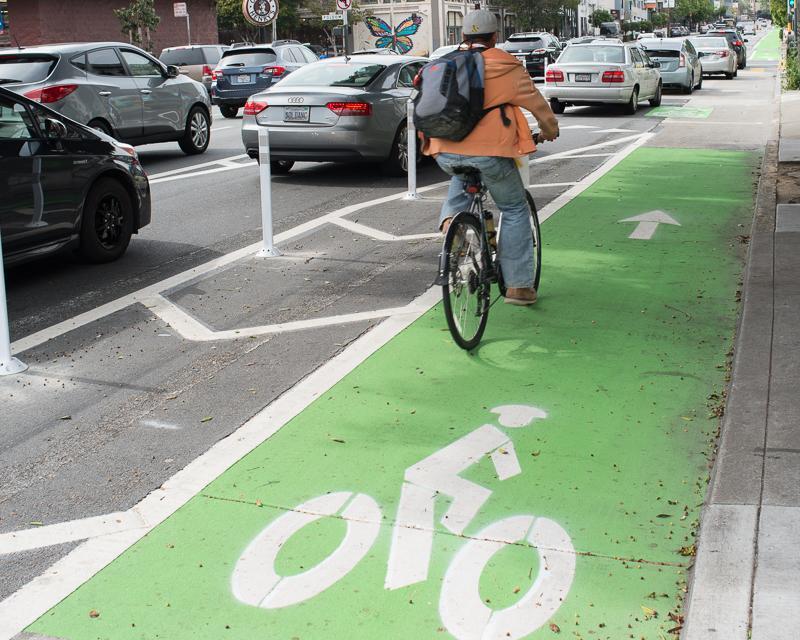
(109, 411)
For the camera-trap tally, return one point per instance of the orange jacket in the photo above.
(505, 82)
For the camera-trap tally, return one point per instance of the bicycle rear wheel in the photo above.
(465, 290)
(537, 249)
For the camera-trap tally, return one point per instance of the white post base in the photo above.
(268, 252)
(11, 367)
(412, 196)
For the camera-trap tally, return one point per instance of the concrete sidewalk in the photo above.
(747, 573)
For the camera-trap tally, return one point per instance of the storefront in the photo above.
(32, 22)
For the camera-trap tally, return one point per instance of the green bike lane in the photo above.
(768, 48)
(549, 482)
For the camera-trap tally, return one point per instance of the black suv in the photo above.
(243, 71)
(735, 40)
(534, 50)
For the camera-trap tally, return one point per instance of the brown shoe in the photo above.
(445, 225)
(521, 296)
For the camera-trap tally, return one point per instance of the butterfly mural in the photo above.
(397, 39)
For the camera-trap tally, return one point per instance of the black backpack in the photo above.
(449, 98)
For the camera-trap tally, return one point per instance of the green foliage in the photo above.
(693, 11)
(779, 13)
(601, 15)
(658, 20)
(138, 20)
(791, 77)
(542, 14)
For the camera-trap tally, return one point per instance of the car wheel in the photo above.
(228, 112)
(735, 73)
(102, 126)
(281, 167)
(700, 84)
(397, 162)
(106, 222)
(744, 64)
(633, 104)
(655, 101)
(557, 107)
(197, 134)
(730, 76)
(690, 87)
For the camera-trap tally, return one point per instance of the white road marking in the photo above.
(589, 155)
(726, 123)
(193, 167)
(591, 147)
(648, 223)
(159, 424)
(221, 166)
(219, 128)
(552, 184)
(43, 592)
(195, 273)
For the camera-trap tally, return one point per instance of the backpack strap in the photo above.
(503, 116)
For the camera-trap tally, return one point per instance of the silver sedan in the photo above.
(716, 56)
(603, 72)
(337, 109)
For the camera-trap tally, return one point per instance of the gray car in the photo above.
(115, 88)
(680, 64)
(337, 109)
(196, 61)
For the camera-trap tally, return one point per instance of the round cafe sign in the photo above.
(260, 12)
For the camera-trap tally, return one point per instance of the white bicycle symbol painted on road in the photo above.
(256, 582)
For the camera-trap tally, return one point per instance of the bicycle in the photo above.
(468, 264)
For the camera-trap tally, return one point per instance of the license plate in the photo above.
(583, 77)
(521, 59)
(243, 79)
(295, 114)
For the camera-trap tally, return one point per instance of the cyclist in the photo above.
(493, 146)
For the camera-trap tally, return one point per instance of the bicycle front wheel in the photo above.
(466, 288)
(537, 248)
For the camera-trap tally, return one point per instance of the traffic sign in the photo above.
(179, 10)
(260, 12)
(344, 4)
(332, 16)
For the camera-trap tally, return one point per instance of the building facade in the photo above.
(32, 22)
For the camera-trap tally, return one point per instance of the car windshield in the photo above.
(182, 57)
(334, 74)
(709, 43)
(593, 53)
(529, 44)
(248, 58)
(26, 68)
(654, 51)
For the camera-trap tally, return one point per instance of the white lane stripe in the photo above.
(193, 167)
(591, 147)
(587, 155)
(727, 123)
(222, 166)
(25, 605)
(219, 128)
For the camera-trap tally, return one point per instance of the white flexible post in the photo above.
(8, 363)
(411, 151)
(268, 249)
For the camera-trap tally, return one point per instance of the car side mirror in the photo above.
(54, 129)
(746, 40)
(656, 64)
(173, 71)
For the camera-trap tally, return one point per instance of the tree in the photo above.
(693, 11)
(658, 20)
(601, 15)
(139, 20)
(779, 13)
(542, 14)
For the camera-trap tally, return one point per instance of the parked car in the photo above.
(610, 29)
(438, 53)
(65, 185)
(646, 35)
(736, 41)
(679, 62)
(717, 56)
(243, 71)
(534, 50)
(115, 88)
(337, 109)
(747, 28)
(196, 61)
(678, 31)
(603, 73)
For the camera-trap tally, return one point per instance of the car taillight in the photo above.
(682, 63)
(613, 76)
(273, 71)
(216, 74)
(554, 75)
(46, 95)
(722, 54)
(540, 51)
(737, 43)
(206, 70)
(254, 107)
(350, 108)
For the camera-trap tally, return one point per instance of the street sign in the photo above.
(332, 16)
(179, 10)
(344, 4)
(260, 12)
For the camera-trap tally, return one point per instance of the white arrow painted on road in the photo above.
(648, 223)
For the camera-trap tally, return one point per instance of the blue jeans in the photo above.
(500, 175)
